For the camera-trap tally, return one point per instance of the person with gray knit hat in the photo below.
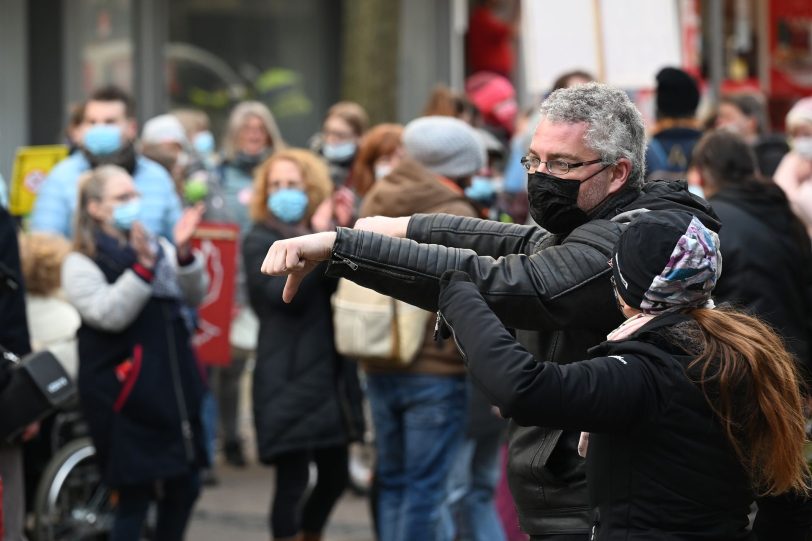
(445, 145)
(419, 410)
(549, 281)
(694, 411)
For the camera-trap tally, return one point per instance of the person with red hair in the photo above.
(380, 152)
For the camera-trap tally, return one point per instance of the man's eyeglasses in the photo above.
(554, 167)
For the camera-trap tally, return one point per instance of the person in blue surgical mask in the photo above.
(306, 397)
(251, 136)
(139, 384)
(106, 136)
(345, 123)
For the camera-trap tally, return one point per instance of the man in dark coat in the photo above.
(586, 170)
(767, 255)
(767, 272)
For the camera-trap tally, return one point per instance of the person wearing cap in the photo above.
(420, 411)
(164, 141)
(794, 173)
(495, 98)
(548, 281)
(107, 132)
(676, 132)
(692, 412)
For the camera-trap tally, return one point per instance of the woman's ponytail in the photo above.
(752, 383)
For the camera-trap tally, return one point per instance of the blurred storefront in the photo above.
(757, 46)
(298, 57)
(301, 56)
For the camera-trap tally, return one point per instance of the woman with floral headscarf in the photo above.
(693, 411)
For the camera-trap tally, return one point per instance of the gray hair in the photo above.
(614, 125)
(239, 116)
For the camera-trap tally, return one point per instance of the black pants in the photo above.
(289, 513)
(176, 497)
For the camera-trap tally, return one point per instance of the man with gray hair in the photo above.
(552, 283)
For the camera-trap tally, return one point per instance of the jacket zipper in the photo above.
(180, 397)
(355, 266)
(441, 320)
(350, 264)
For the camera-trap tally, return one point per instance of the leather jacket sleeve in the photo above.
(600, 394)
(485, 237)
(546, 290)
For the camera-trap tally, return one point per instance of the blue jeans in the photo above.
(208, 414)
(419, 421)
(470, 513)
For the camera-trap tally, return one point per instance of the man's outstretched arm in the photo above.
(545, 290)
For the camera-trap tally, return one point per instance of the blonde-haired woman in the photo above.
(306, 401)
(52, 322)
(139, 383)
(251, 136)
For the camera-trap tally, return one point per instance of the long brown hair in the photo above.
(752, 384)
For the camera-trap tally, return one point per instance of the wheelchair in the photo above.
(66, 499)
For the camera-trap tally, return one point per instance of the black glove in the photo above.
(453, 276)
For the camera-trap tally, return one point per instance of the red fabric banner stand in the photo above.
(218, 245)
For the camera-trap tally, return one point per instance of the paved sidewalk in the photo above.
(237, 510)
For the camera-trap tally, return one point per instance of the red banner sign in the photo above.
(218, 244)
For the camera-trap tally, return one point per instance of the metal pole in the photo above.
(150, 35)
(716, 48)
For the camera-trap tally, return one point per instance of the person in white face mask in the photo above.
(379, 152)
(794, 174)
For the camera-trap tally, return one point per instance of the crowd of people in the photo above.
(575, 315)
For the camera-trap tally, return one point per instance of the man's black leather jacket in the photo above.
(553, 289)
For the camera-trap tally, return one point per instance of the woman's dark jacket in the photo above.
(13, 324)
(554, 289)
(767, 263)
(141, 389)
(305, 394)
(658, 464)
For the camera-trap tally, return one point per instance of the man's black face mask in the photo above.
(554, 201)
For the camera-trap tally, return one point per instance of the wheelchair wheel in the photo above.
(71, 502)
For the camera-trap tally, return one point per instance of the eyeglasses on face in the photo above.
(554, 167)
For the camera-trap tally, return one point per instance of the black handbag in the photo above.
(36, 386)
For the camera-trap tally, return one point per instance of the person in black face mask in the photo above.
(554, 200)
(586, 168)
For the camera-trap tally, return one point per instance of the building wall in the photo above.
(14, 83)
(424, 57)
